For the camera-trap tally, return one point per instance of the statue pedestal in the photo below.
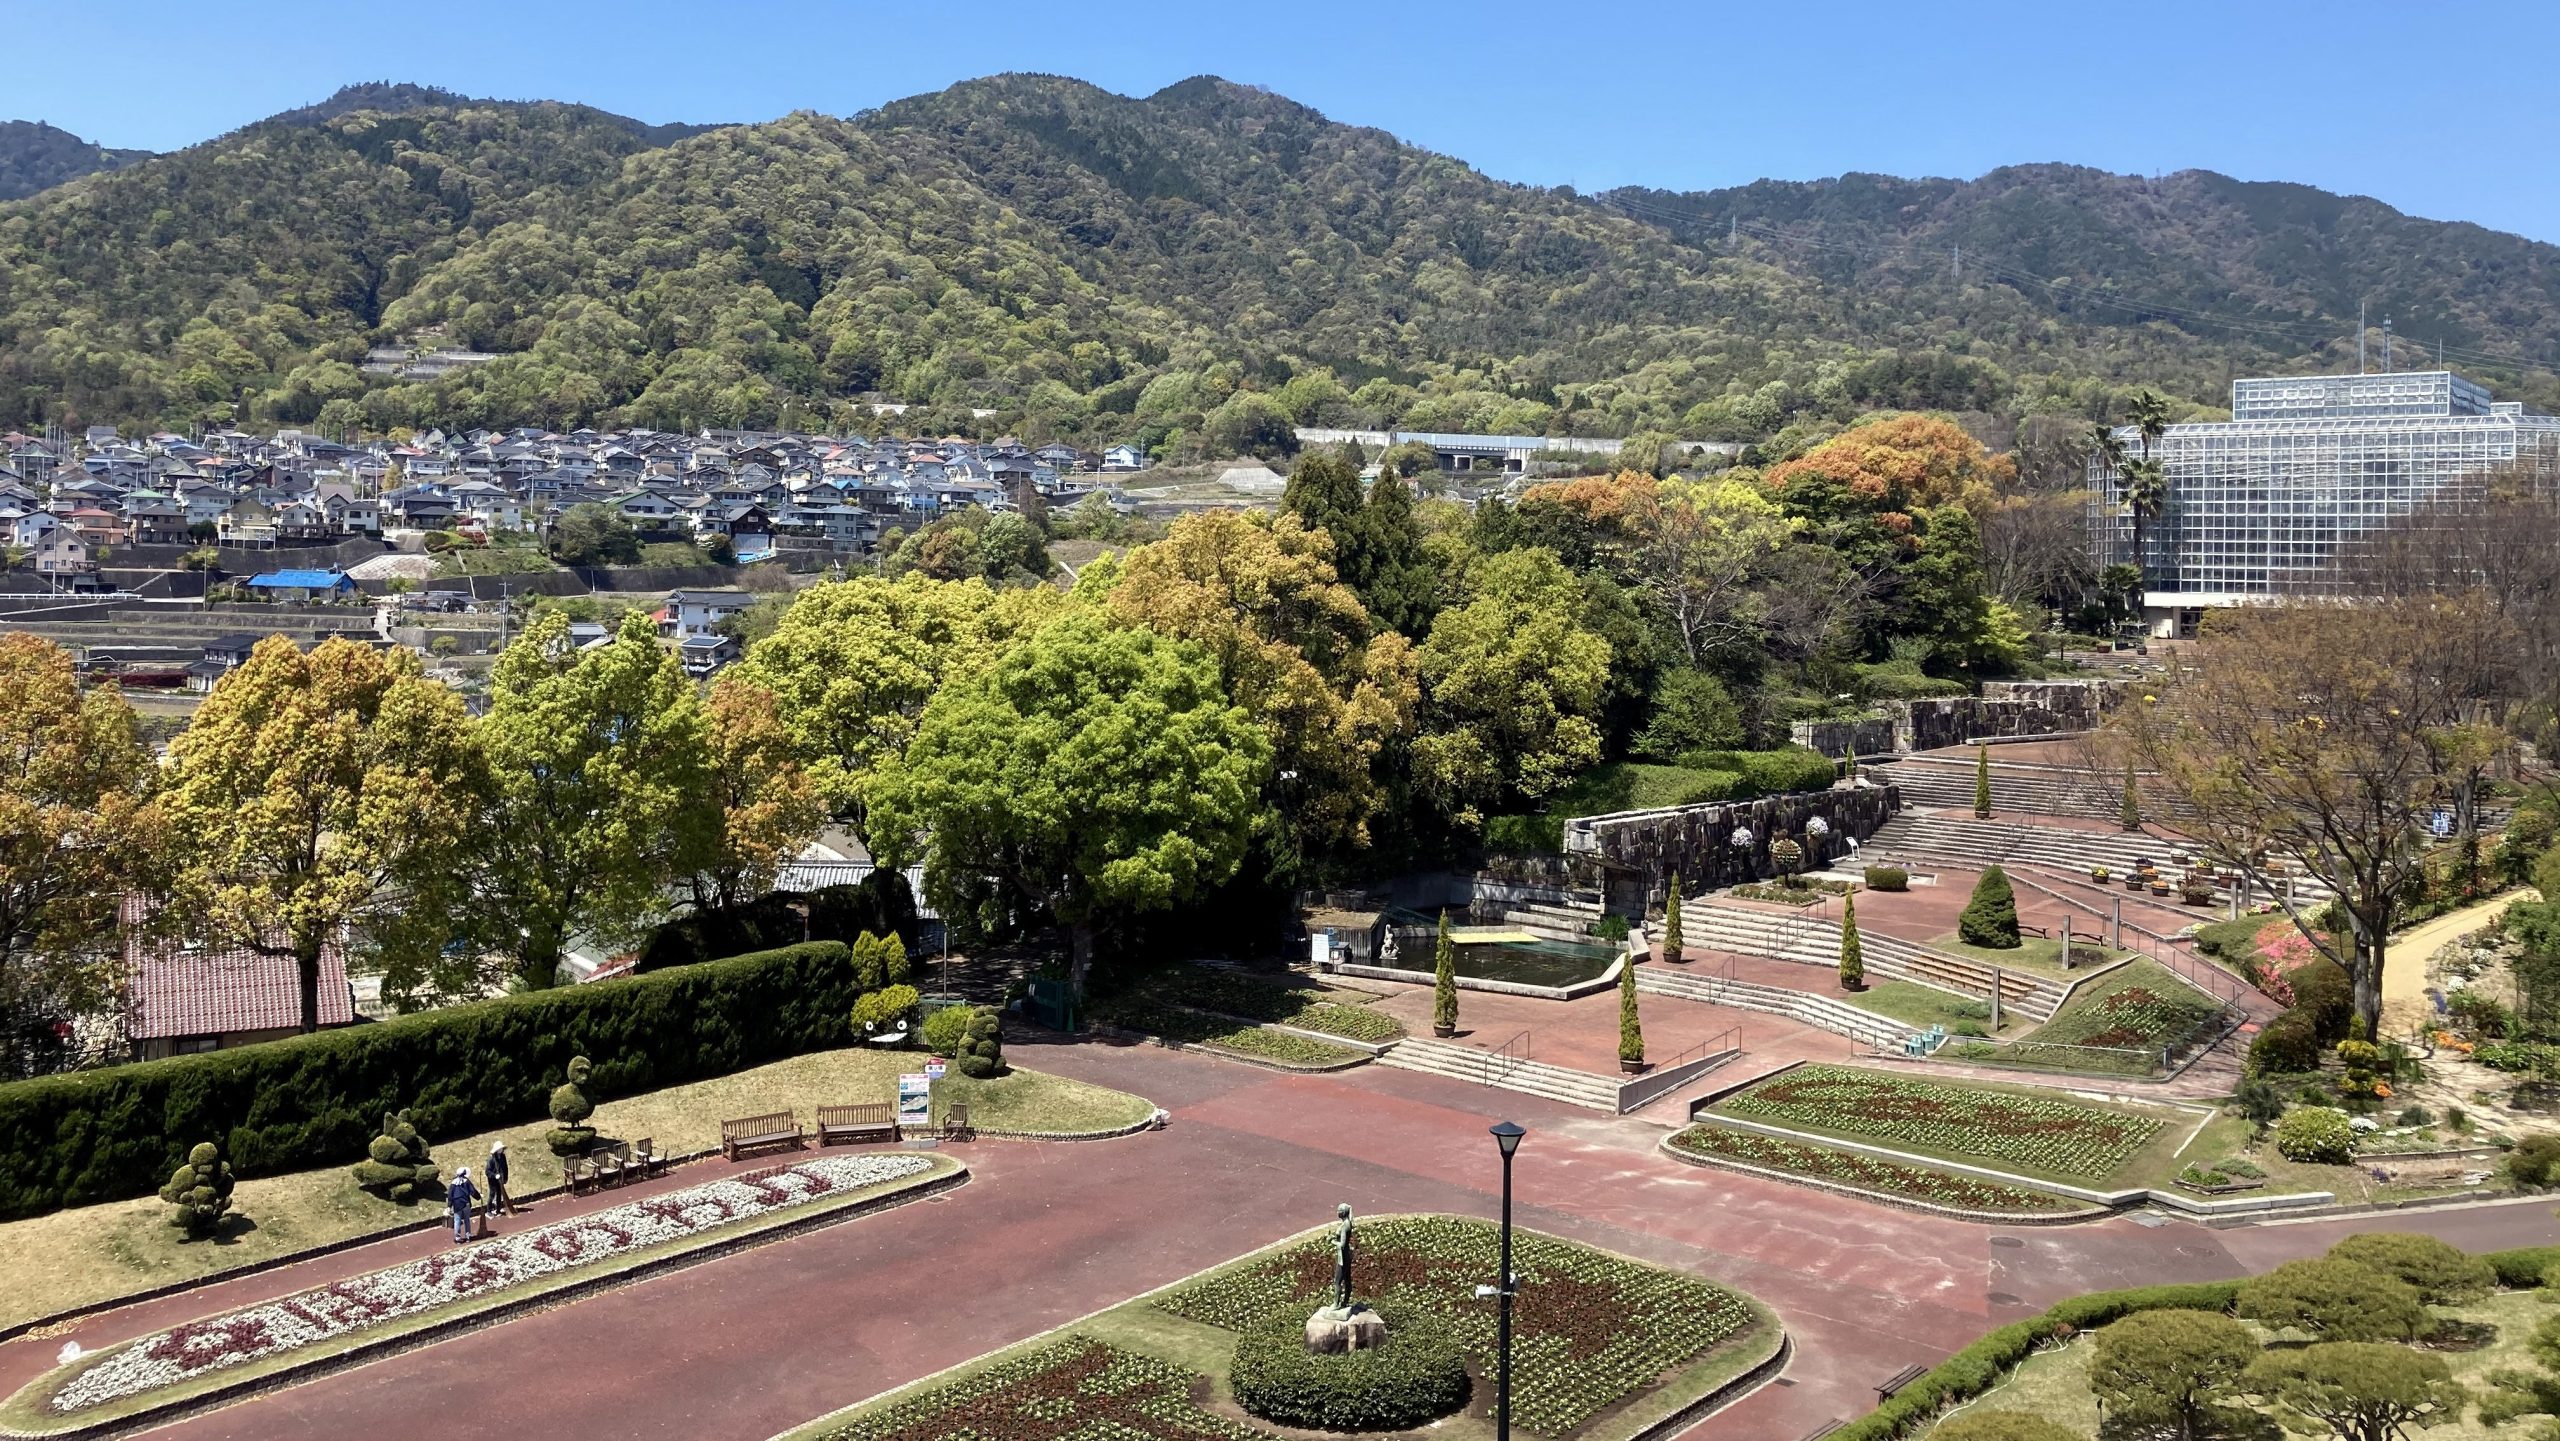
(1337, 1329)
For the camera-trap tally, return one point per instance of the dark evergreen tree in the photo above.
(1990, 919)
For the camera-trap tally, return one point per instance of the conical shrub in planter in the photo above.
(1444, 982)
(1671, 921)
(2129, 815)
(1990, 919)
(1853, 958)
(1630, 1022)
(396, 1166)
(1982, 782)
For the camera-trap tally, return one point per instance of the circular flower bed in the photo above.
(315, 1318)
(1418, 1375)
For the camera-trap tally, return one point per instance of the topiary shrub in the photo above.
(570, 1108)
(946, 1029)
(2442, 1275)
(1888, 878)
(1990, 918)
(1982, 782)
(2335, 1301)
(396, 1166)
(878, 1010)
(1444, 981)
(1418, 1375)
(1672, 940)
(1853, 952)
(2316, 1135)
(201, 1191)
(981, 1055)
(1630, 1021)
(879, 961)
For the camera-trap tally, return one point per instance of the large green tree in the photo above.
(2357, 1390)
(313, 796)
(600, 784)
(1093, 771)
(2170, 1372)
(1512, 687)
(853, 663)
(72, 830)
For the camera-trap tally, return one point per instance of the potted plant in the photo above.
(2098, 874)
(1630, 1022)
(2159, 884)
(2195, 890)
(1853, 963)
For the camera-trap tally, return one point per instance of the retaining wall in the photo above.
(1643, 849)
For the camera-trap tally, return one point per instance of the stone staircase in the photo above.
(1487, 1068)
(1556, 922)
(2041, 790)
(1815, 941)
(1803, 1006)
(1973, 844)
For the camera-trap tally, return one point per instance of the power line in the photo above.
(2305, 334)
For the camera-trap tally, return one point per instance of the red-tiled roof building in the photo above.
(184, 999)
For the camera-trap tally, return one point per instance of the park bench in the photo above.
(645, 1160)
(1898, 1380)
(870, 1122)
(749, 1133)
(575, 1172)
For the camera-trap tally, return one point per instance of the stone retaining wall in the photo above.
(1697, 841)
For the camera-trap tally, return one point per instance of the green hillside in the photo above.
(1198, 269)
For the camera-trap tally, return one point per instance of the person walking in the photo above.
(496, 1175)
(458, 1198)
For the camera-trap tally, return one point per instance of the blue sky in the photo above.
(2432, 108)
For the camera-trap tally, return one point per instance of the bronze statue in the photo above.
(1342, 1258)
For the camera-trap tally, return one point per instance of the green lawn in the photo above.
(94, 1253)
(1925, 1006)
(2036, 954)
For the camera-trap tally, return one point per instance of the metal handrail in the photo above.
(1509, 1059)
(1707, 1047)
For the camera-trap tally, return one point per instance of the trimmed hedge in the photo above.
(1418, 1375)
(1888, 878)
(88, 1136)
(1980, 1366)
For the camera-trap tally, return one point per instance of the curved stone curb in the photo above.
(291, 1258)
(1147, 1123)
(1759, 1374)
(1887, 1198)
(248, 1388)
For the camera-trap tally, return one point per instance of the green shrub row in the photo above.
(1766, 773)
(1888, 878)
(1418, 1375)
(88, 1136)
(881, 904)
(1980, 1366)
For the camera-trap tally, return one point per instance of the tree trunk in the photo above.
(538, 964)
(1080, 955)
(306, 968)
(2366, 942)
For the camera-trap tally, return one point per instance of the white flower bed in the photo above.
(396, 1293)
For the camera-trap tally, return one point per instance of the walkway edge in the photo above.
(1886, 1198)
(247, 1388)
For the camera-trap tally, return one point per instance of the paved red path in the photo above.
(744, 1347)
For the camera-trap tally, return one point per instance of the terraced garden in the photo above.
(2043, 1135)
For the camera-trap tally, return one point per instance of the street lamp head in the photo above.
(1507, 1135)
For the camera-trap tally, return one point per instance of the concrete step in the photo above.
(1529, 1077)
(1814, 940)
(1802, 1006)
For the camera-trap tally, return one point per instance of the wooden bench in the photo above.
(749, 1133)
(875, 1121)
(1898, 1380)
(955, 1122)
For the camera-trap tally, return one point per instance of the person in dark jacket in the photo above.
(459, 1197)
(496, 1175)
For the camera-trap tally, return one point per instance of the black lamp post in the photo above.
(1506, 1134)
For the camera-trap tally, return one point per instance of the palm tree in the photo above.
(2142, 480)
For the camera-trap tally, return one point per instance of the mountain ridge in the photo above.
(1201, 267)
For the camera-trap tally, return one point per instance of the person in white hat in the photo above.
(495, 1173)
(458, 1197)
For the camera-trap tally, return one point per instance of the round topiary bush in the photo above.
(397, 1166)
(1419, 1375)
(570, 1107)
(2316, 1135)
(981, 1054)
(201, 1190)
(946, 1030)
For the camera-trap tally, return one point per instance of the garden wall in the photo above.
(1840, 739)
(1697, 841)
(2004, 709)
(317, 1100)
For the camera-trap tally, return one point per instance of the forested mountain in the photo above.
(35, 156)
(1197, 269)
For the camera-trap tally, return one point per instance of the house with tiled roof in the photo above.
(183, 997)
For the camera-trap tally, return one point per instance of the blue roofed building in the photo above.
(303, 584)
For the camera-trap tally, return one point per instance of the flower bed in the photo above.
(478, 1272)
(1258, 1000)
(2138, 1007)
(2057, 1137)
(1071, 1390)
(1591, 1329)
(1178, 1023)
(1808, 893)
(1871, 1173)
